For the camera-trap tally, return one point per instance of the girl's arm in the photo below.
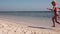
(58, 7)
(49, 9)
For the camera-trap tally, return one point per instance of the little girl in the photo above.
(56, 14)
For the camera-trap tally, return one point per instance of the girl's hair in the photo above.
(53, 2)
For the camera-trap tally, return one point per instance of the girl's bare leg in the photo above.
(56, 19)
(53, 21)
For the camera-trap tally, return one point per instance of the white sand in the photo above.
(14, 28)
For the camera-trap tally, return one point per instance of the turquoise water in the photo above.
(38, 14)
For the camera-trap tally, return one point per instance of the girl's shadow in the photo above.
(42, 27)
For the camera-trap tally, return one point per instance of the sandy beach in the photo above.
(7, 27)
(29, 17)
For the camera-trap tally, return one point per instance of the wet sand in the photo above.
(30, 21)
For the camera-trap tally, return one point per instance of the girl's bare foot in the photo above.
(53, 26)
(58, 22)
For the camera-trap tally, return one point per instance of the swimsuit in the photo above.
(55, 11)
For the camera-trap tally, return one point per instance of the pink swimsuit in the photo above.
(56, 11)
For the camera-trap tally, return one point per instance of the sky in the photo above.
(25, 5)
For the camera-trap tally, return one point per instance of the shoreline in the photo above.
(29, 20)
